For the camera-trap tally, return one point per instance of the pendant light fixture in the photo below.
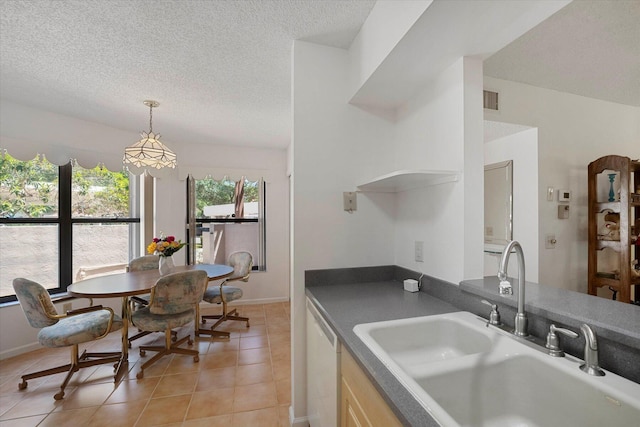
(149, 152)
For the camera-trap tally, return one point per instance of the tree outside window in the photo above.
(229, 217)
(56, 222)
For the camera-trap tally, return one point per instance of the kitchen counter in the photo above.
(347, 297)
(345, 304)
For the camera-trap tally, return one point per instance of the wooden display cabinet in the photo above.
(623, 206)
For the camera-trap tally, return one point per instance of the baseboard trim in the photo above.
(273, 300)
(19, 350)
(254, 301)
(297, 422)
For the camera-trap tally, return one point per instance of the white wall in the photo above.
(337, 146)
(572, 132)
(26, 131)
(264, 286)
(522, 148)
(333, 143)
(24, 128)
(431, 134)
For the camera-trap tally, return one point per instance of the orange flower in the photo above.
(165, 246)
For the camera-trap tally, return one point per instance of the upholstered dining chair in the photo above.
(242, 262)
(145, 262)
(65, 330)
(142, 263)
(172, 304)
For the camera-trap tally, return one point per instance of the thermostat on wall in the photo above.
(564, 195)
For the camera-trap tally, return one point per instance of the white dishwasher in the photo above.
(323, 371)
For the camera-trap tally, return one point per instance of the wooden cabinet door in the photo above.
(351, 414)
(361, 404)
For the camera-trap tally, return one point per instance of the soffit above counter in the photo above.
(435, 41)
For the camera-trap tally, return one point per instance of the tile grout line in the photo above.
(278, 313)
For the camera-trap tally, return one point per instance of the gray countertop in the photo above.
(347, 297)
(347, 305)
(612, 319)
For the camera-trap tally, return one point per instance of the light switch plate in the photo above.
(350, 201)
(550, 193)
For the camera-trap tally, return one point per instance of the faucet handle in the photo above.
(494, 316)
(553, 341)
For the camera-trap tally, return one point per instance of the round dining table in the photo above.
(125, 285)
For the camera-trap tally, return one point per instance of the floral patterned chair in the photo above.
(65, 330)
(172, 304)
(242, 262)
(146, 262)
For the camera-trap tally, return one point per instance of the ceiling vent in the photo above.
(490, 100)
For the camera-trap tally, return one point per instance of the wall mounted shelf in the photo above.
(403, 180)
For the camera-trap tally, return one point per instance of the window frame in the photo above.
(259, 264)
(65, 222)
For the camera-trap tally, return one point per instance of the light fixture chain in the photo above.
(150, 118)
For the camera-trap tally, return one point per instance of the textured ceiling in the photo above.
(589, 48)
(221, 70)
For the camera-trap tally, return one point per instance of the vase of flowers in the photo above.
(165, 247)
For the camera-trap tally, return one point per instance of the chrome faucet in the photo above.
(506, 289)
(590, 365)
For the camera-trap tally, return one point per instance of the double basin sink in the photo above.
(465, 373)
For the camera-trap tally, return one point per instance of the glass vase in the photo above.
(165, 265)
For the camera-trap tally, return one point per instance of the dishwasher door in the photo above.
(323, 371)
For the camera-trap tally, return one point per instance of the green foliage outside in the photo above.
(30, 189)
(210, 192)
(98, 192)
(27, 189)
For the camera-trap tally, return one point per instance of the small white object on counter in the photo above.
(411, 285)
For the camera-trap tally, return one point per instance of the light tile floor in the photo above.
(241, 381)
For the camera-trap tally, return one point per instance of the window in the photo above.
(226, 216)
(61, 224)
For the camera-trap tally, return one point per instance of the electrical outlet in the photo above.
(419, 251)
(67, 307)
(550, 241)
